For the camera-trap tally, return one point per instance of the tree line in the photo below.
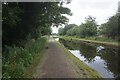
(90, 28)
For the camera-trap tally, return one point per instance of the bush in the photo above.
(17, 59)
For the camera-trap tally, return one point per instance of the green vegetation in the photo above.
(90, 73)
(23, 25)
(67, 27)
(89, 30)
(110, 28)
(97, 40)
(31, 69)
(26, 19)
(17, 59)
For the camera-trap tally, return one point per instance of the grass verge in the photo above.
(89, 72)
(18, 62)
(114, 44)
(30, 71)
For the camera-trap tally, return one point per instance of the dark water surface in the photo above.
(103, 59)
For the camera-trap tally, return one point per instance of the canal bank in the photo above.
(112, 44)
(86, 70)
(103, 59)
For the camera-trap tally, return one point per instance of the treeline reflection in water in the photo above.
(103, 59)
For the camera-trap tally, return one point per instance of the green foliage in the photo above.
(100, 39)
(73, 31)
(24, 24)
(63, 31)
(87, 29)
(110, 28)
(17, 59)
(60, 31)
(25, 18)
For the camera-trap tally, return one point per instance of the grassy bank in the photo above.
(88, 72)
(17, 61)
(93, 40)
(30, 70)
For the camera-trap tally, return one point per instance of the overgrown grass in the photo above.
(90, 73)
(98, 40)
(17, 59)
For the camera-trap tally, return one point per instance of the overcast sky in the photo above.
(101, 9)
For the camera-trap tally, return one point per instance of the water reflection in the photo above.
(103, 59)
(89, 52)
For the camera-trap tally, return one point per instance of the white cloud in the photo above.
(101, 9)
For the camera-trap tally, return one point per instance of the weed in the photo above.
(17, 59)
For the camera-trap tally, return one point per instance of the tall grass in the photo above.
(17, 59)
(94, 38)
(100, 39)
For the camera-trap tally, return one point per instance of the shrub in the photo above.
(17, 59)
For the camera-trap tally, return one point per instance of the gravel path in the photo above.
(55, 64)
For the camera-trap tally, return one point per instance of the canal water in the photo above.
(103, 59)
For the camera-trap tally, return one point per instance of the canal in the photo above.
(103, 59)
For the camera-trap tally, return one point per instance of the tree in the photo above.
(89, 28)
(66, 28)
(110, 28)
(73, 31)
(23, 25)
(60, 31)
(25, 18)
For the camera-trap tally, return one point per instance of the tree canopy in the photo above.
(110, 28)
(21, 19)
(89, 28)
(63, 31)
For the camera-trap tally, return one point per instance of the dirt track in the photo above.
(55, 64)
